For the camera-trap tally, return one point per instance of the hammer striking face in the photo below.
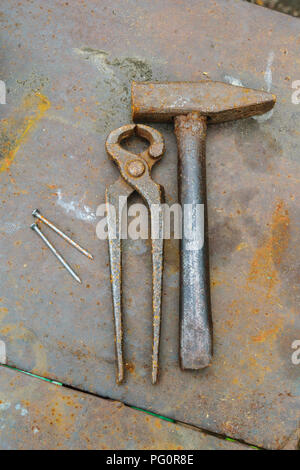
(193, 105)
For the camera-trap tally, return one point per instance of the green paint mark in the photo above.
(237, 442)
(154, 414)
(33, 375)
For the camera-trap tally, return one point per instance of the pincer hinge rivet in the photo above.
(136, 168)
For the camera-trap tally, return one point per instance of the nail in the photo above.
(55, 252)
(36, 213)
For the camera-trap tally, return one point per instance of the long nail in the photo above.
(36, 213)
(55, 252)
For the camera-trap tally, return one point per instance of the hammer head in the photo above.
(162, 101)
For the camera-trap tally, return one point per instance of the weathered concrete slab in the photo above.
(38, 415)
(68, 69)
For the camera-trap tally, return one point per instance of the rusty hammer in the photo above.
(193, 105)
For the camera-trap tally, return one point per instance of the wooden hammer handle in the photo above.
(195, 308)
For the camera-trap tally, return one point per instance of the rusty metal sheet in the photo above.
(68, 69)
(38, 415)
(293, 442)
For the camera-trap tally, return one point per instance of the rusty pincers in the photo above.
(135, 172)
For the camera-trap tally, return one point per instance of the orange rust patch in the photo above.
(3, 313)
(6, 330)
(130, 367)
(263, 266)
(241, 246)
(268, 334)
(157, 423)
(15, 129)
(234, 307)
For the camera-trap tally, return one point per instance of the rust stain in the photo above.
(157, 423)
(17, 127)
(59, 417)
(241, 246)
(268, 334)
(3, 313)
(130, 367)
(234, 307)
(269, 255)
